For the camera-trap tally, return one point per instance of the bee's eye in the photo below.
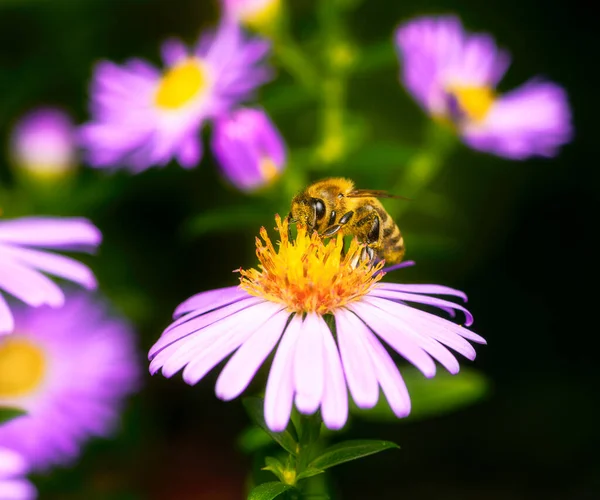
(319, 207)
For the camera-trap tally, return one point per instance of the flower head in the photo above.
(43, 143)
(453, 74)
(144, 117)
(21, 264)
(12, 469)
(249, 148)
(287, 303)
(70, 369)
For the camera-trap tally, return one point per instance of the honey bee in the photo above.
(333, 205)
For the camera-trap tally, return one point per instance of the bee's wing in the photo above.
(373, 193)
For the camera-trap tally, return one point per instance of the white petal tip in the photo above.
(335, 424)
(306, 405)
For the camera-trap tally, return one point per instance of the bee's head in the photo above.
(307, 210)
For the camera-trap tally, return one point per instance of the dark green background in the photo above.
(520, 244)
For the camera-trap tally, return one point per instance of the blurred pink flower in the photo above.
(453, 75)
(70, 369)
(143, 117)
(249, 148)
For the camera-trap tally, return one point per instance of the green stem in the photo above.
(425, 166)
(309, 432)
(335, 82)
(295, 62)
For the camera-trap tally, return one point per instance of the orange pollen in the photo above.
(308, 274)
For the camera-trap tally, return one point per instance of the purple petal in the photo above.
(7, 323)
(422, 299)
(279, 394)
(388, 311)
(355, 359)
(334, 407)
(242, 140)
(29, 286)
(398, 339)
(212, 299)
(308, 364)
(208, 355)
(533, 120)
(172, 335)
(17, 489)
(173, 51)
(246, 361)
(176, 350)
(433, 289)
(56, 265)
(190, 151)
(11, 464)
(203, 312)
(51, 232)
(389, 377)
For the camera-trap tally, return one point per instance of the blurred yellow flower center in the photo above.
(268, 169)
(308, 274)
(22, 366)
(260, 14)
(475, 102)
(181, 84)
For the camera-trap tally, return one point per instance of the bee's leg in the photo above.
(289, 220)
(367, 254)
(330, 231)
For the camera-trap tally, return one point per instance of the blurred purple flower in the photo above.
(13, 486)
(70, 369)
(21, 266)
(43, 143)
(453, 75)
(283, 307)
(249, 148)
(142, 117)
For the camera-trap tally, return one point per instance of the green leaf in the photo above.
(254, 406)
(267, 491)
(442, 394)
(7, 414)
(349, 450)
(276, 467)
(253, 439)
(309, 472)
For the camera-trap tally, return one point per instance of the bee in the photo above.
(333, 205)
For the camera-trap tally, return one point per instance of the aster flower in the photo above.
(43, 143)
(70, 369)
(144, 117)
(12, 484)
(453, 75)
(249, 148)
(288, 303)
(21, 264)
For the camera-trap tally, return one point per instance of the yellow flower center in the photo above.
(308, 274)
(22, 366)
(474, 102)
(181, 84)
(268, 169)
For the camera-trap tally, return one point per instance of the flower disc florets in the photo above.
(308, 274)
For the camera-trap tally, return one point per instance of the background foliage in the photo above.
(516, 236)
